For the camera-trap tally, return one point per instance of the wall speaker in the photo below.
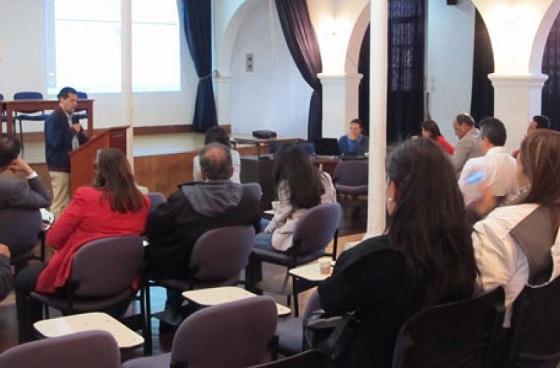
(452, 2)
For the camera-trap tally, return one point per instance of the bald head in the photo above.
(215, 162)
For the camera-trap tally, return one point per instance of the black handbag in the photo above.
(330, 335)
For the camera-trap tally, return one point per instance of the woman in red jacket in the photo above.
(430, 130)
(111, 206)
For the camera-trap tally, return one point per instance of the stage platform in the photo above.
(161, 161)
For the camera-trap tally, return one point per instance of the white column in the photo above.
(516, 99)
(126, 74)
(378, 117)
(222, 91)
(340, 102)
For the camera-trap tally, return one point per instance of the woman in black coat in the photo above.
(424, 258)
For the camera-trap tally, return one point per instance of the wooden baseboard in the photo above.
(145, 130)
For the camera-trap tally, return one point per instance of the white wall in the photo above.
(23, 67)
(449, 57)
(274, 96)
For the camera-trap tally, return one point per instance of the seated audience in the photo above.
(15, 193)
(354, 143)
(469, 141)
(519, 244)
(219, 135)
(193, 209)
(424, 259)
(299, 186)
(430, 130)
(5, 271)
(111, 206)
(537, 122)
(496, 168)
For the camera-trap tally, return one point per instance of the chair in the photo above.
(156, 198)
(290, 331)
(460, 334)
(217, 259)
(535, 327)
(351, 177)
(307, 359)
(31, 115)
(101, 277)
(20, 230)
(92, 349)
(79, 116)
(234, 335)
(312, 234)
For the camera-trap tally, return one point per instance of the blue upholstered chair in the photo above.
(235, 335)
(31, 115)
(91, 349)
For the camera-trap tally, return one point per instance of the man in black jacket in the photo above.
(193, 209)
(62, 136)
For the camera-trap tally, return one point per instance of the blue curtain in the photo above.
(551, 67)
(482, 98)
(405, 105)
(304, 48)
(197, 20)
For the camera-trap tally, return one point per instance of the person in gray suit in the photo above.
(469, 142)
(14, 192)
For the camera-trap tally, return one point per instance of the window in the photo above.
(85, 46)
(155, 46)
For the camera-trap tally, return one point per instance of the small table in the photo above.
(226, 294)
(61, 326)
(307, 276)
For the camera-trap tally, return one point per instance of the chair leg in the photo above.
(21, 137)
(295, 294)
(145, 310)
(335, 245)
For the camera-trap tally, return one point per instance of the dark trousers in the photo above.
(28, 311)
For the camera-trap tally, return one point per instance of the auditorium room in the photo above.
(279, 183)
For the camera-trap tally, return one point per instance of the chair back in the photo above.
(306, 359)
(236, 334)
(156, 198)
(1, 97)
(316, 229)
(219, 255)
(28, 95)
(92, 349)
(20, 229)
(255, 189)
(106, 267)
(82, 95)
(460, 334)
(535, 324)
(351, 173)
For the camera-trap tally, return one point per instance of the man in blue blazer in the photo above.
(62, 136)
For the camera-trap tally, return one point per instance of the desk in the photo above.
(259, 142)
(226, 294)
(326, 163)
(307, 276)
(10, 107)
(61, 326)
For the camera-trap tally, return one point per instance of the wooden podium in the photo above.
(82, 159)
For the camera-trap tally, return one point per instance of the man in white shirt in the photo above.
(497, 167)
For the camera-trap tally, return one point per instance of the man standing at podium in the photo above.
(62, 136)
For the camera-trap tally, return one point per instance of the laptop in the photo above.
(326, 147)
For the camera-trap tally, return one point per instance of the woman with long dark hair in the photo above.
(430, 130)
(424, 258)
(111, 206)
(520, 244)
(299, 186)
